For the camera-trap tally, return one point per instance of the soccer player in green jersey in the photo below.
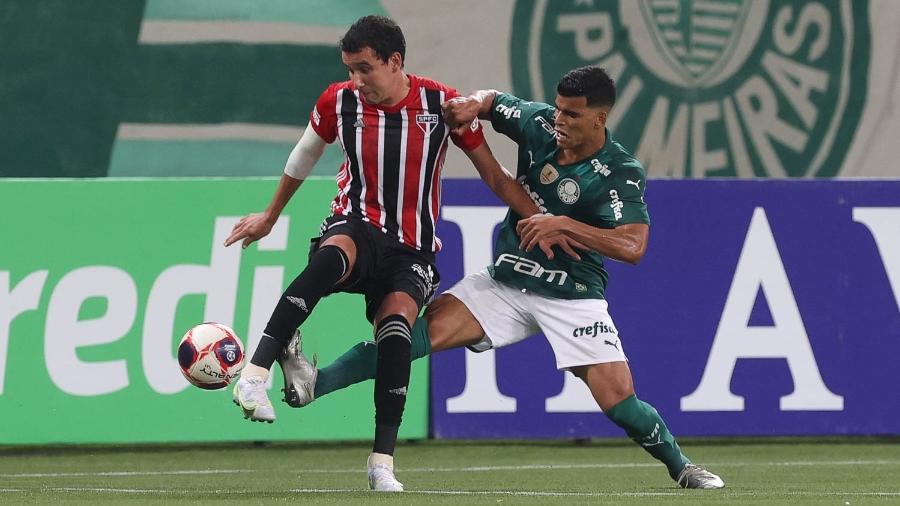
(591, 191)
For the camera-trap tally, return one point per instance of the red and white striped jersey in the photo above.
(391, 175)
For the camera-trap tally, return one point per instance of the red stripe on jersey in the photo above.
(370, 148)
(436, 194)
(415, 136)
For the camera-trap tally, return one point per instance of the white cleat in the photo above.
(694, 476)
(299, 373)
(250, 394)
(381, 474)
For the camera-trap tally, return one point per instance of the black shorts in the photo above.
(383, 264)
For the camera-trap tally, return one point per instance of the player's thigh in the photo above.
(498, 310)
(610, 382)
(352, 236)
(451, 324)
(397, 303)
(402, 282)
(580, 331)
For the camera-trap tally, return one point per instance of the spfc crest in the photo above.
(427, 122)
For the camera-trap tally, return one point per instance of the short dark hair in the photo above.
(377, 32)
(593, 83)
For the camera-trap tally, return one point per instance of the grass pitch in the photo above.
(757, 471)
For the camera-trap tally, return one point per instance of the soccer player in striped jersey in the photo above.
(380, 239)
(591, 191)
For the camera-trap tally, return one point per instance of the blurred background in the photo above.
(134, 133)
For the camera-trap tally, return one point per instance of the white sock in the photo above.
(380, 458)
(251, 370)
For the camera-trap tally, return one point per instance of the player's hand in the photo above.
(251, 228)
(546, 231)
(564, 242)
(460, 112)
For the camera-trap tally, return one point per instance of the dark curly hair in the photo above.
(593, 83)
(377, 32)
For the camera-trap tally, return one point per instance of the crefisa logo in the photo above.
(710, 88)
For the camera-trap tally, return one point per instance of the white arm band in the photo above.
(305, 154)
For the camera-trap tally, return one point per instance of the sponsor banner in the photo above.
(760, 308)
(100, 279)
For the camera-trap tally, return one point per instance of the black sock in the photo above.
(391, 380)
(326, 266)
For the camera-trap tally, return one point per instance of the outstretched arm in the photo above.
(459, 112)
(300, 163)
(500, 181)
(626, 243)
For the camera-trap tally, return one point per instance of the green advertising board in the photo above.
(99, 279)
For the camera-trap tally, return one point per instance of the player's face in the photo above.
(377, 80)
(577, 123)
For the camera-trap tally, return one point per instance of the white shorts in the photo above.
(580, 331)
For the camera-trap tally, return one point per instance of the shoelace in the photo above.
(696, 472)
(257, 390)
(383, 473)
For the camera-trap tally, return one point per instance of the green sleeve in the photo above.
(511, 115)
(623, 200)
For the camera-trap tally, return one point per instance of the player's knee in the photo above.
(347, 246)
(398, 303)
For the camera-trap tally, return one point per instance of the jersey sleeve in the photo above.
(510, 115)
(323, 117)
(473, 136)
(624, 199)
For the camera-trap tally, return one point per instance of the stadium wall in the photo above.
(153, 88)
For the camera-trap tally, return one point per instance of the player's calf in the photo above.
(392, 337)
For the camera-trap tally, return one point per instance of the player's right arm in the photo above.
(322, 129)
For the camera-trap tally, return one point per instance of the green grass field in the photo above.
(757, 471)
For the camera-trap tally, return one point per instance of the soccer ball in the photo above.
(210, 356)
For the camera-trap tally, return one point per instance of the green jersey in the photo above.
(604, 190)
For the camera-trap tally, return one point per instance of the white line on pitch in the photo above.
(126, 473)
(799, 463)
(446, 492)
(802, 463)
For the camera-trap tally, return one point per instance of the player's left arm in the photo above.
(626, 243)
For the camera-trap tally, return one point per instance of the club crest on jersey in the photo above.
(549, 174)
(568, 191)
(427, 122)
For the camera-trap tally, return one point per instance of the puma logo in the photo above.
(648, 440)
(614, 345)
(637, 184)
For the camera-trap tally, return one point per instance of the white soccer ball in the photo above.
(210, 356)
